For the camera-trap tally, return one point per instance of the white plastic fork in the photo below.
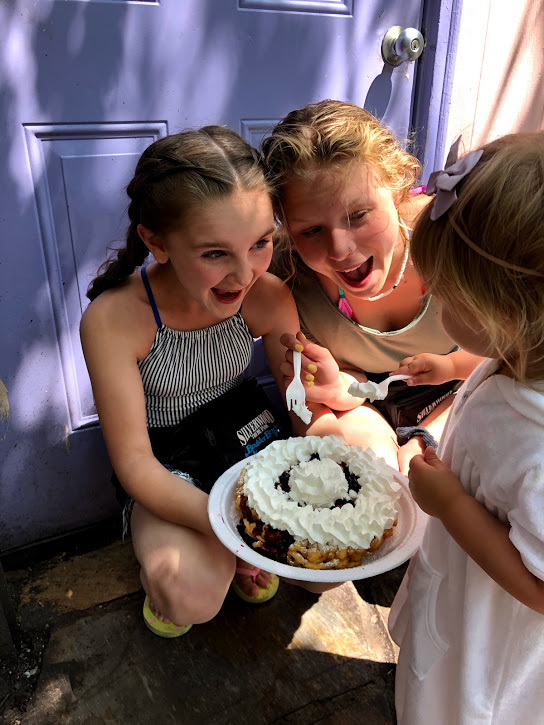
(295, 395)
(374, 391)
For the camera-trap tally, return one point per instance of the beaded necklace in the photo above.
(402, 269)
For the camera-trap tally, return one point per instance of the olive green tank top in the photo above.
(362, 348)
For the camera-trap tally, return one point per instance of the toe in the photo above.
(263, 579)
(158, 614)
(247, 585)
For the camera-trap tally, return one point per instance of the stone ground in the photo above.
(83, 654)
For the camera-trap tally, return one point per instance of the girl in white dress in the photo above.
(468, 616)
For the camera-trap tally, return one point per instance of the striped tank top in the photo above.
(185, 369)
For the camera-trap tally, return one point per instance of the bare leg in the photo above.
(364, 426)
(324, 422)
(436, 420)
(185, 573)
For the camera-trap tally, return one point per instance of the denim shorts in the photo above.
(129, 502)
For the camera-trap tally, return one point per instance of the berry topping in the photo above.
(353, 481)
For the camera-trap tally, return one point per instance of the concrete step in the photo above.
(300, 658)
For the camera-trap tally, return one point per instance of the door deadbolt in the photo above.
(402, 45)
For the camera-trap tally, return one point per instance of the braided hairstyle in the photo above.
(174, 174)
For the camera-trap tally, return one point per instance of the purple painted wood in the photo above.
(86, 86)
(434, 82)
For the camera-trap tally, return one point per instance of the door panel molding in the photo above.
(327, 7)
(62, 157)
(253, 130)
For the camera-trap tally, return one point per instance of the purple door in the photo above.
(86, 86)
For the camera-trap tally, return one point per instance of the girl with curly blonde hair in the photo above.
(344, 194)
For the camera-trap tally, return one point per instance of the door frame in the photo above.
(440, 27)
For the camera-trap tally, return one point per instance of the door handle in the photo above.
(401, 45)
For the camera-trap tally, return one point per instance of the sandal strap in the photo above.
(249, 572)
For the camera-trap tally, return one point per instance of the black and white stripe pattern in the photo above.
(186, 369)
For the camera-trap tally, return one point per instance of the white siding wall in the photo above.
(498, 83)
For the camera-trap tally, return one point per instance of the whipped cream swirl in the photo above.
(315, 485)
(319, 483)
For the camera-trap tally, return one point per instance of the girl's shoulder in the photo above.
(119, 313)
(411, 209)
(267, 293)
(267, 301)
(117, 301)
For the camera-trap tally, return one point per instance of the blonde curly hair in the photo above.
(330, 135)
(485, 255)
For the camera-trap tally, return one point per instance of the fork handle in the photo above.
(397, 377)
(297, 357)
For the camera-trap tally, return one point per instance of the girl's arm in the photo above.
(110, 353)
(269, 310)
(431, 369)
(438, 491)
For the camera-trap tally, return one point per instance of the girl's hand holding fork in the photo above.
(430, 369)
(323, 380)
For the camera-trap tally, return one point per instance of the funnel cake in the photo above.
(316, 502)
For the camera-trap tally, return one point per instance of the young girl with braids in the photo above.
(468, 616)
(163, 342)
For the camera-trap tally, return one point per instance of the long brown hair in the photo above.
(173, 175)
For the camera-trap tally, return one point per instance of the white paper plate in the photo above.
(405, 541)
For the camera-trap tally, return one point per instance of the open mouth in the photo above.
(227, 297)
(359, 276)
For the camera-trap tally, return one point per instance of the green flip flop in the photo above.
(161, 629)
(263, 595)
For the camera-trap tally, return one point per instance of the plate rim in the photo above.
(235, 543)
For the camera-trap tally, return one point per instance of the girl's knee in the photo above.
(365, 427)
(197, 601)
(162, 581)
(224, 561)
(189, 591)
